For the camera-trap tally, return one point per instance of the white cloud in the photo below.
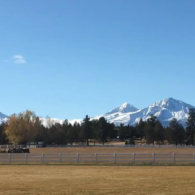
(18, 59)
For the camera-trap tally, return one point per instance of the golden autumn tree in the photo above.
(23, 127)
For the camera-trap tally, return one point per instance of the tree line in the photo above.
(26, 127)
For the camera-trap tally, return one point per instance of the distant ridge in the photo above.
(164, 110)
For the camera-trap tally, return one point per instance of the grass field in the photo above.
(111, 150)
(96, 180)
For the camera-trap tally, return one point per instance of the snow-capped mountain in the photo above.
(50, 121)
(124, 108)
(3, 117)
(164, 110)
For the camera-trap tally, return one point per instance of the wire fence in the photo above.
(95, 158)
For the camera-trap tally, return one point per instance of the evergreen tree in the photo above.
(72, 133)
(150, 129)
(77, 127)
(102, 130)
(181, 135)
(3, 137)
(42, 135)
(60, 134)
(140, 129)
(94, 124)
(191, 126)
(122, 132)
(168, 133)
(86, 129)
(131, 132)
(112, 131)
(65, 126)
(158, 132)
(175, 133)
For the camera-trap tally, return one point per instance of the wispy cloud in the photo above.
(18, 59)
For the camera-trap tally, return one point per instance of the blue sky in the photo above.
(69, 58)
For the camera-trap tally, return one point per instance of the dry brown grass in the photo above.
(96, 180)
(111, 150)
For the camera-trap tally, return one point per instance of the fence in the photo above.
(98, 158)
(99, 145)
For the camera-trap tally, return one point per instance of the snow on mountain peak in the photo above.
(124, 108)
(164, 110)
(3, 117)
(172, 105)
(124, 105)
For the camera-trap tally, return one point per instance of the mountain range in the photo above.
(164, 110)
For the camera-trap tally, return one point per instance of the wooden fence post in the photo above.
(114, 158)
(173, 157)
(153, 157)
(60, 155)
(77, 157)
(43, 158)
(26, 158)
(95, 158)
(133, 158)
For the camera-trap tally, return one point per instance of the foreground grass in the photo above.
(96, 180)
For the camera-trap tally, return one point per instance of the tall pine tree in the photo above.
(175, 133)
(86, 132)
(190, 129)
(102, 130)
(150, 129)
